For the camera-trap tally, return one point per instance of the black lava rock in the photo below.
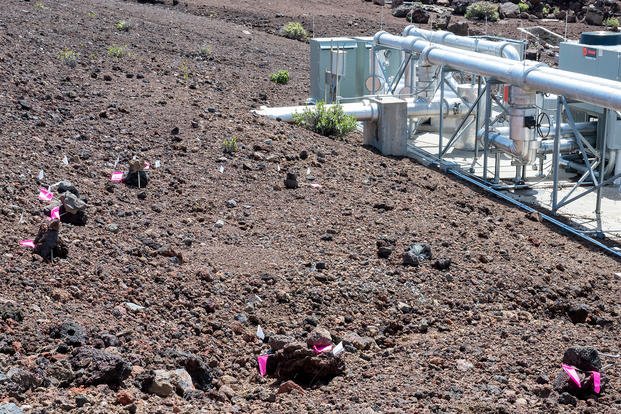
(71, 333)
(95, 366)
(578, 313)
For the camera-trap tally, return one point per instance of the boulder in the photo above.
(509, 10)
(95, 366)
(441, 21)
(319, 337)
(418, 15)
(459, 28)
(594, 16)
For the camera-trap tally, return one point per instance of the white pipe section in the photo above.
(585, 128)
(529, 76)
(369, 111)
(489, 47)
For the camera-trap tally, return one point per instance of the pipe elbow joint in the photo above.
(378, 35)
(508, 51)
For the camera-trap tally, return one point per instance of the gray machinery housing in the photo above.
(596, 54)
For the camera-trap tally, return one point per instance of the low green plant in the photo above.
(229, 145)
(523, 7)
(545, 10)
(327, 121)
(281, 77)
(39, 5)
(483, 10)
(205, 51)
(294, 30)
(611, 22)
(185, 70)
(117, 51)
(122, 26)
(68, 57)
(92, 14)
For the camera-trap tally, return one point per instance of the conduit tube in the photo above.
(369, 111)
(556, 81)
(501, 48)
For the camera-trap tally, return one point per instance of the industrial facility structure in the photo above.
(474, 107)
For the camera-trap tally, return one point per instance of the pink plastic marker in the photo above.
(322, 349)
(596, 381)
(573, 375)
(27, 243)
(146, 165)
(55, 213)
(45, 195)
(117, 177)
(262, 360)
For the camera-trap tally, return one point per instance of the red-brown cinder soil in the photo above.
(486, 335)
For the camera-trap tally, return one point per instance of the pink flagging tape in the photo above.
(27, 243)
(55, 213)
(597, 381)
(322, 349)
(262, 360)
(147, 165)
(45, 195)
(117, 177)
(573, 375)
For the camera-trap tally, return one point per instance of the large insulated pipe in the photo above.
(490, 47)
(369, 111)
(524, 74)
(501, 49)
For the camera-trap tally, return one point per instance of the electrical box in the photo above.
(595, 54)
(342, 66)
(330, 60)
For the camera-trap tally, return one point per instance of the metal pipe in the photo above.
(566, 131)
(369, 111)
(529, 76)
(490, 47)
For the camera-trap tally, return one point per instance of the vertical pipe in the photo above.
(441, 111)
(373, 65)
(524, 172)
(488, 115)
(602, 169)
(497, 168)
(556, 155)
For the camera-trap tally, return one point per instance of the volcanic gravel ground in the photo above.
(216, 244)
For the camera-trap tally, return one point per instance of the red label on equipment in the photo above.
(589, 52)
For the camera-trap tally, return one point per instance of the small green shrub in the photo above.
(39, 5)
(482, 10)
(523, 7)
(185, 70)
(229, 145)
(612, 22)
(294, 30)
(281, 77)
(205, 51)
(122, 26)
(117, 51)
(92, 14)
(545, 10)
(68, 57)
(328, 121)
